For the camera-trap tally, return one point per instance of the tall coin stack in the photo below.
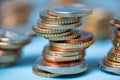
(111, 63)
(64, 55)
(10, 47)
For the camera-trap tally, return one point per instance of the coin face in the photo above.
(75, 10)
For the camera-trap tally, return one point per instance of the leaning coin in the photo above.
(75, 10)
(43, 73)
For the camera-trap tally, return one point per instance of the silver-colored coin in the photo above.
(108, 69)
(75, 10)
(62, 70)
(49, 26)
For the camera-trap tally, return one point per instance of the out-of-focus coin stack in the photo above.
(64, 55)
(10, 47)
(111, 63)
(14, 13)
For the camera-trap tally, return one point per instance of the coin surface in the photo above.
(55, 20)
(74, 10)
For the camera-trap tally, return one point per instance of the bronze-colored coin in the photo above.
(85, 36)
(64, 64)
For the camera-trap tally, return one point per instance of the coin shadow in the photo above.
(73, 76)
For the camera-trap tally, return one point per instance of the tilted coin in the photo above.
(43, 73)
(108, 69)
(69, 45)
(62, 70)
(50, 26)
(67, 33)
(74, 10)
(47, 19)
(76, 34)
(46, 30)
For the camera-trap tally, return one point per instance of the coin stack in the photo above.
(10, 47)
(111, 63)
(64, 55)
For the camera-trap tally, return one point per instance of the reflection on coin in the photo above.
(74, 10)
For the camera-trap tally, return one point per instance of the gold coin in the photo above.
(46, 30)
(55, 20)
(76, 34)
(50, 26)
(68, 45)
(70, 32)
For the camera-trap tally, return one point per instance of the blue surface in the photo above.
(23, 69)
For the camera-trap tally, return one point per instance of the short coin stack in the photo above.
(112, 62)
(64, 55)
(10, 47)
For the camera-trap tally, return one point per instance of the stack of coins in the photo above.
(111, 63)
(64, 55)
(10, 47)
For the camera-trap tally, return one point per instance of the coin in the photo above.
(85, 36)
(71, 46)
(67, 33)
(43, 73)
(51, 26)
(62, 70)
(47, 19)
(76, 34)
(60, 64)
(61, 58)
(58, 53)
(46, 30)
(74, 10)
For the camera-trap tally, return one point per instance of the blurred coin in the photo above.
(74, 10)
